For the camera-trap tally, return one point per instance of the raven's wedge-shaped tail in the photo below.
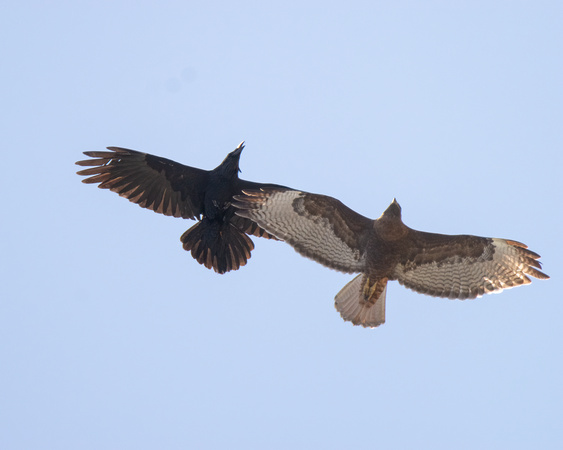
(217, 245)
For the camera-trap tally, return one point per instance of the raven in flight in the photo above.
(219, 239)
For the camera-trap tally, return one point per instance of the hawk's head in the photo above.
(393, 210)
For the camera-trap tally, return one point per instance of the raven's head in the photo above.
(230, 165)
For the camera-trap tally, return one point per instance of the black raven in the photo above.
(219, 240)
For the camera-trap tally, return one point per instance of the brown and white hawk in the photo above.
(324, 229)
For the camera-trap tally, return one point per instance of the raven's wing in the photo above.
(155, 183)
(317, 226)
(464, 266)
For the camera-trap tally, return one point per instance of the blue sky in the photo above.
(112, 336)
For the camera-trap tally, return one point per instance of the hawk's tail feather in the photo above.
(357, 303)
(217, 245)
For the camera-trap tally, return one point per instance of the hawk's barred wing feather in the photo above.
(247, 225)
(464, 266)
(316, 226)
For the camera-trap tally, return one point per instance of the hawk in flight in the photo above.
(219, 239)
(324, 229)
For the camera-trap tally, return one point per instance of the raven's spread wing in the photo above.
(318, 227)
(156, 183)
(464, 266)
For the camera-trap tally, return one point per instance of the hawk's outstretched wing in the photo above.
(464, 266)
(318, 227)
(155, 183)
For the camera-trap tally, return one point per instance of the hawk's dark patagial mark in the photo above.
(219, 240)
(325, 230)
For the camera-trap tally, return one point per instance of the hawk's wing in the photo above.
(464, 266)
(318, 227)
(156, 183)
(244, 224)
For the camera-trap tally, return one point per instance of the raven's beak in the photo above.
(238, 150)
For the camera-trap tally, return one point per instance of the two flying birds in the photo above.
(228, 210)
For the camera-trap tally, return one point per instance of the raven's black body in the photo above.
(219, 240)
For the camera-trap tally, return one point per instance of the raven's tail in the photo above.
(217, 245)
